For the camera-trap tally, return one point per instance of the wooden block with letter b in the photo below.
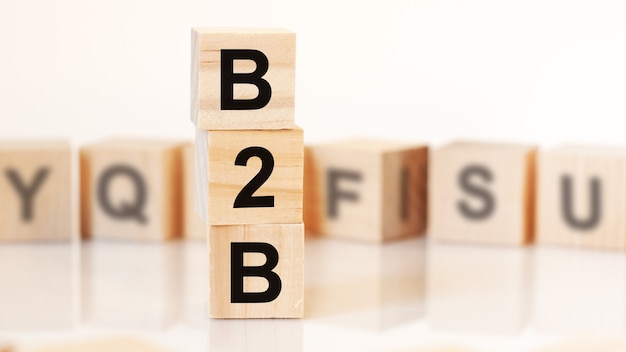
(252, 177)
(582, 197)
(256, 271)
(242, 79)
(35, 188)
(482, 192)
(366, 189)
(130, 189)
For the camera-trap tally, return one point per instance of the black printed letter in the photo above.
(238, 271)
(230, 78)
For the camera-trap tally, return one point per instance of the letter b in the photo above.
(229, 78)
(238, 271)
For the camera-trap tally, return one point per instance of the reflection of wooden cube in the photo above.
(243, 79)
(482, 192)
(193, 226)
(366, 189)
(131, 284)
(252, 177)
(582, 197)
(258, 334)
(268, 282)
(384, 290)
(578, 291)
(38, 292)
(130, 189)
(35, 188)
(477, 288)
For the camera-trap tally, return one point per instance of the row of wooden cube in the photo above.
(361, 189)
(477, 192)
(131, 189)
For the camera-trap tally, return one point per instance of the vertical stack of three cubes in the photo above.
(249, 158)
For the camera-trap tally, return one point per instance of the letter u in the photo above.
(567, 204)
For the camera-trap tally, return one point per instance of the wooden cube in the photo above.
(366, 189)
(256, 271)
(250, 177)
(582, 197)
(193, 225)
(242, 78)
(119, 344)
(482, 192)
(35, 188)
(130, 189)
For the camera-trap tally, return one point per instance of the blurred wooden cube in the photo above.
(250, 177)
(267, 281)
(366, 189)
(243, 78)
(120, 344)
(582, 197)
(193, 225)
(36, 202)
(482, 192)
(130, 189)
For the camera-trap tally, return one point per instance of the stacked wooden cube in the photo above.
(249, 170)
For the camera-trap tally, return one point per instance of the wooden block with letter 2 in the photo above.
(242, 79)
(482, 192)
(366, 189)
(130, 189)
(254, 177)
(582, 197)
(256, 271)
(35, 189)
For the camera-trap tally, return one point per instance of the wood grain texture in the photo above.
(193, 225)
(510, 184)
(278, 45)
(288, 239)
(387, 178)
(117, 344)
(582, 165)
(35, 184)
(158, 166)
(224, 180)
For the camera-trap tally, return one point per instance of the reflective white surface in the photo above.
(37, 289)
(398, 296)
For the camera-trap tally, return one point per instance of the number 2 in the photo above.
(245, 198)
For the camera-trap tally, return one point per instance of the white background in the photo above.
(542, 71)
